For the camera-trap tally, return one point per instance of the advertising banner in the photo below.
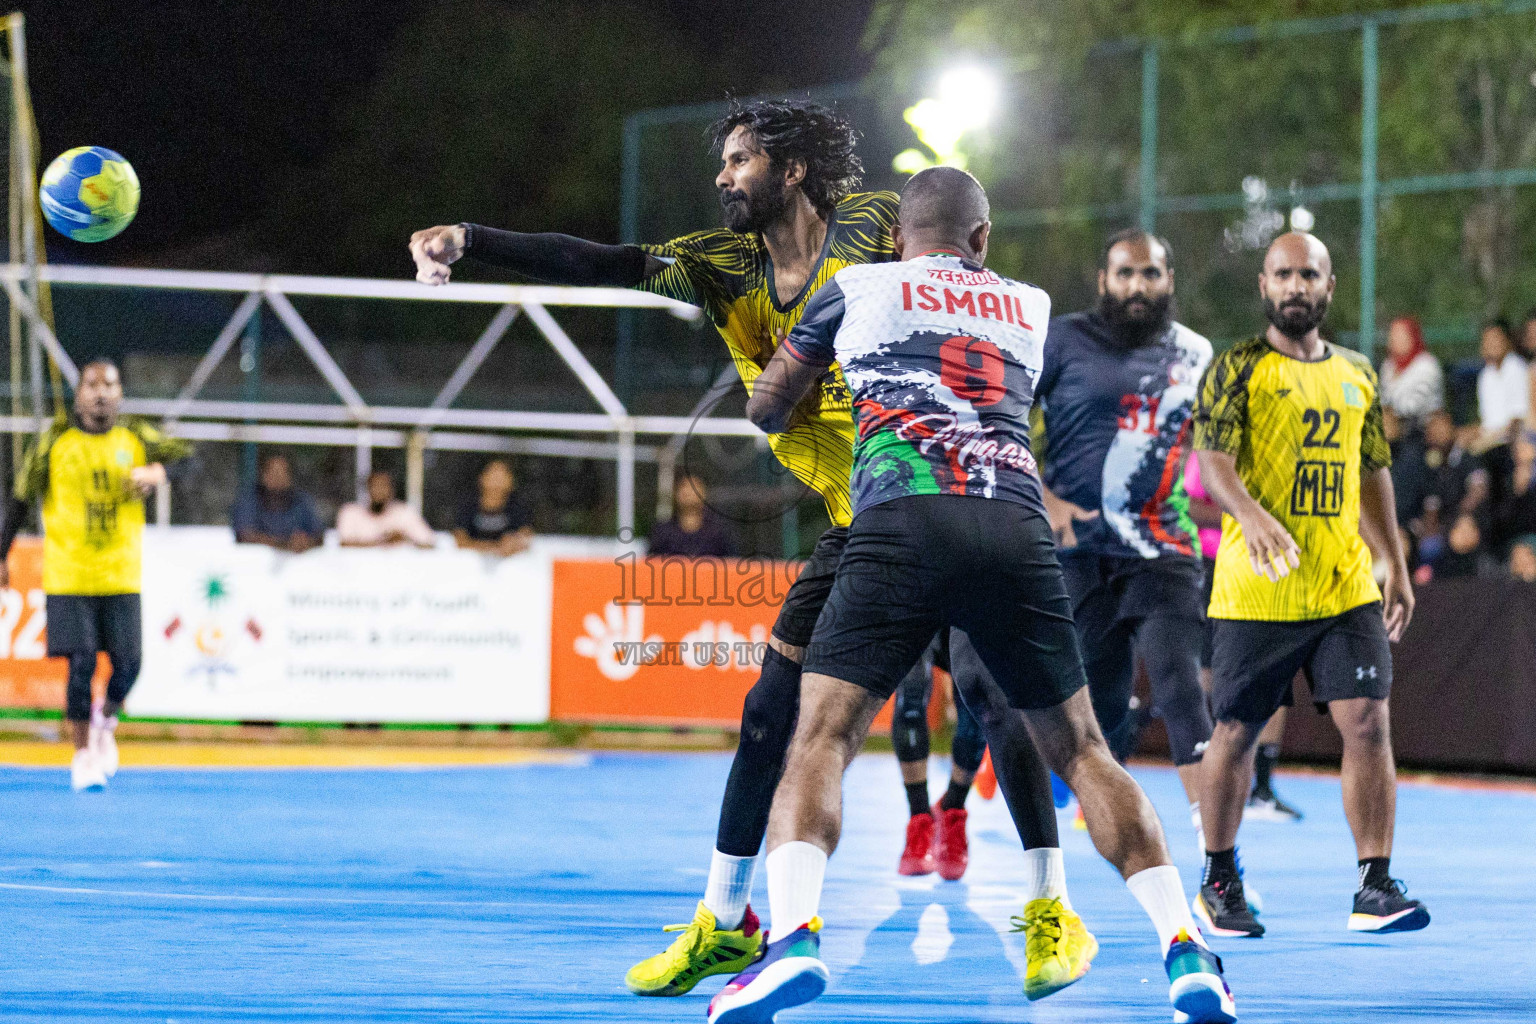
(243, 632)
(28, 678)
(662, 641)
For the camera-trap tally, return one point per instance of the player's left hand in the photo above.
(1397, 601)
(144, 479)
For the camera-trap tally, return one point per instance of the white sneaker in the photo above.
(103, 743)
(85, 773)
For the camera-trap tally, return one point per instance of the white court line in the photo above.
(218, 898)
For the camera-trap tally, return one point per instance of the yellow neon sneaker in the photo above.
(702, 950)
(1057, 944)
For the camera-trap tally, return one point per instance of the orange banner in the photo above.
(28, 677)
(662, 641)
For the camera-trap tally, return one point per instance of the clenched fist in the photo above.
(434, 249)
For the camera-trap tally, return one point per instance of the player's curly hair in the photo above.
(799, 130)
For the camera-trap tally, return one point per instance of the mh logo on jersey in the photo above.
(1318, 489)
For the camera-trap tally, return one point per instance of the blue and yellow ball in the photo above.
(89, 193)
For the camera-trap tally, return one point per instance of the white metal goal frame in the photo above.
(610, 433)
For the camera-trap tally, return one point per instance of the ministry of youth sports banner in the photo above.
(242, 632)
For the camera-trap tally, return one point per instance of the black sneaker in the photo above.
(1222, 909)
(1387, 908)
(1265, 805)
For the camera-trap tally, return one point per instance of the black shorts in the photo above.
(1343, 657)
(986, 566)
(1208, 584)
(79, 624)
(1109, 592)
(808, 594)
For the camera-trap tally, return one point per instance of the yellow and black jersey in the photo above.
(93, 519)
(728, 275)
(1302, 433)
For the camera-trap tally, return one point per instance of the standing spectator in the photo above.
(1412, 385)
(274, 512)
(694, 529)
(383, 521)
(497, 520)
(1503, 385)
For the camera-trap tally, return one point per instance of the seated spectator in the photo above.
(694, 530)
(1528, 336)
(1439, 480)
(1412, 384)
(1503, 385)
(497, 520)
(1522, 558)
(1464, 554)
(274, 512)
(1515, 513)
(383, 521)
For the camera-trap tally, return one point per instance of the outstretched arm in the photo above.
(551, 258)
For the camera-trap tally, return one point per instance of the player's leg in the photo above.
(1352, 673)
(877, 621)
(1018, 617)
(122, 639)
(73, 634)
(724, 935)
(1169, 646)
(803, 831)
(1058, 946)
(1105, 641)
(1126, 832)
(1263, 802)
(909, 738)
(951, 848)
(1252, 665)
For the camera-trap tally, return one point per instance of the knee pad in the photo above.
(969, 745)
(768, 714)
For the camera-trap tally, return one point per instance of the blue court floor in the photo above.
(523, 893)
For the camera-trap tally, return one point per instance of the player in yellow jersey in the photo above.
(1289, 433)
(791, 221)
(92, 476)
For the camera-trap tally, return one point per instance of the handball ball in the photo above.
(89, 193)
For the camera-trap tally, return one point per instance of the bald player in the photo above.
(1288, 430)
(949, 529)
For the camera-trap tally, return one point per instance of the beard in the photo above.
(753, 211)
(1297, 317)
(1136, 321)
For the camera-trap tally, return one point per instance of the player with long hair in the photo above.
(791, 222)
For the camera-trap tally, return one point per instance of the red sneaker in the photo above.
(951, 852)
(917, 858)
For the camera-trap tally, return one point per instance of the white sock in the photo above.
(1195, 820)
(1045, 876)
(1161, 895)
(795, 873)
(729, 889)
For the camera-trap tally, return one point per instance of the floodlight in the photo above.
(970, 92)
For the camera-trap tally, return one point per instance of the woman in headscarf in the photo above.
(1412, 384)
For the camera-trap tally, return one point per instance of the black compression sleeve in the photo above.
(15, 515)
(557, 259)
